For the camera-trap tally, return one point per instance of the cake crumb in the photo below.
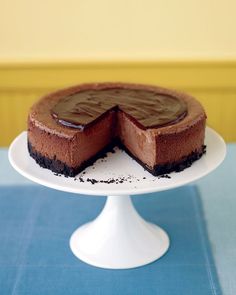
(164, 176)
(92, 180)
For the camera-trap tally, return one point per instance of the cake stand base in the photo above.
(119, 238)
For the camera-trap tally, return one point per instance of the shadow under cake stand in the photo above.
(119, 237)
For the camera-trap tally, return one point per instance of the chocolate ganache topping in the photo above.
(148, 108)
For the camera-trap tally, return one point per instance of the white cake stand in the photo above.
(118, 238)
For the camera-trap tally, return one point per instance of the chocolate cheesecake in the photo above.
(160, 128)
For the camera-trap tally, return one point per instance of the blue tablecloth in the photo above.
(36, 224)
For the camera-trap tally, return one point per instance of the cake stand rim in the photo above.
(12, 155)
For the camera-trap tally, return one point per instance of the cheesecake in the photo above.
(162, 129)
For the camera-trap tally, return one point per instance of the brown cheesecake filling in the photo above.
(147, 109)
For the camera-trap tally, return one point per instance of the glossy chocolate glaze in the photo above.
(148, 108)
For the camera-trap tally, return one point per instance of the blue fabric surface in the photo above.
(36, 224)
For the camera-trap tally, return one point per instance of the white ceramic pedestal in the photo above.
(118, 238)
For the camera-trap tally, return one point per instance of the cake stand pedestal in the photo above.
(118, 238)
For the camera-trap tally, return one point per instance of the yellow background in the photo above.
(187, 45)
(72, 30)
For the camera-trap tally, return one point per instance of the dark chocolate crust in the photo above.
(61, 168)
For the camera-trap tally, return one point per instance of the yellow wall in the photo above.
(186, 44)
(78, 30)
(213, 83)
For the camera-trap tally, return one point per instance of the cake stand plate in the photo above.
(118, 238)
